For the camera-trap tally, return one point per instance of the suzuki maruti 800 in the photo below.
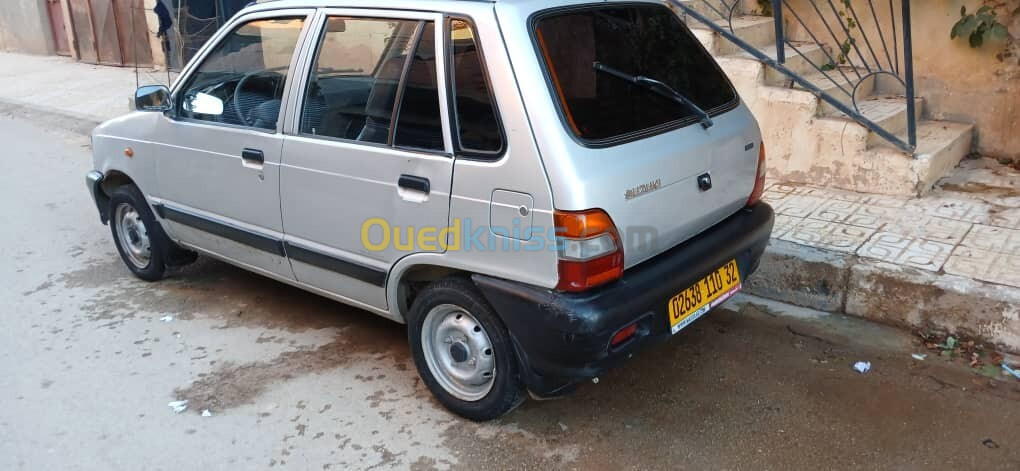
(537, 189)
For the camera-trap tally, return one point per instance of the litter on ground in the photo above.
(919, 356)
(206, 413)
(167, 318)
(1015, 373)
(862, 366)
(178, 406)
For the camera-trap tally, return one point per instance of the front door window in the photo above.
(241, 81)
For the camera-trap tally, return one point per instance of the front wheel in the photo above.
(463, 352)
(139, 239)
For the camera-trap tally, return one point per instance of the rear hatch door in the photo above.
(635, 149)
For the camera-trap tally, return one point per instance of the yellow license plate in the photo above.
(704, 295)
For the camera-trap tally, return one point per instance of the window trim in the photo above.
(295, 106)
(399, 105)
(186, 75)
(554, 93)
(405, 72)
(462, 152)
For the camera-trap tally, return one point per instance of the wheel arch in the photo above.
(408, 282)
(114, 179)
(414, 272)
(102, 189)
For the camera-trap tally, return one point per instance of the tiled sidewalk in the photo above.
(958, 233)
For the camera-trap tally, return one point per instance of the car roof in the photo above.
(452, 6)
(441, 5)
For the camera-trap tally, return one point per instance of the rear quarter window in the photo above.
(638, 39)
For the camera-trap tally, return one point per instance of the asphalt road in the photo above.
(292, 380)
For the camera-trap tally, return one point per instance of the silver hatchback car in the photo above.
(538, 189)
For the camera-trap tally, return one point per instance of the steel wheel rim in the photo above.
(458, 352)
(133, 236)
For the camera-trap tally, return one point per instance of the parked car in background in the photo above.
(539, 190)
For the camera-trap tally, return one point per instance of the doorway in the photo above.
(109, 32)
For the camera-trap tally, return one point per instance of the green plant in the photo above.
(844, 48)
(979, 27)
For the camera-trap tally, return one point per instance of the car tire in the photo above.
(463, 352)
(140, 240)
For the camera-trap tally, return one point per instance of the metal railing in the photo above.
(866, 46)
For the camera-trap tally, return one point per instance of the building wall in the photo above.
(25, 27)
(960, 83)
(979, 86)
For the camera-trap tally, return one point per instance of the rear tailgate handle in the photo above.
(411, 182)
(252, 157)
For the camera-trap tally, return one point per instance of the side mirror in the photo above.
(152, 98)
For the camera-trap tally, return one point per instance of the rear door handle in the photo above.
(253, 157)
(411, 182)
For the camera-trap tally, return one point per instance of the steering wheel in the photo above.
(246, 117)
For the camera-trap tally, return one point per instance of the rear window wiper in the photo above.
(658, 87)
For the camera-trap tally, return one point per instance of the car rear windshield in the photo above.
(635, 40)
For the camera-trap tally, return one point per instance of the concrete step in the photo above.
(941, 145)
(798, 63)
(889, 113)
(759, 31)
(839, 83)
(802, 63)
(810, 141)
(989, 180)
(706, 36)
(842, 153)
(713, 9)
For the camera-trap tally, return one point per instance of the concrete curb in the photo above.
(888, 293)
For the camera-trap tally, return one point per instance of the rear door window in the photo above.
(356, 78)
(638, 40)
(418, 118)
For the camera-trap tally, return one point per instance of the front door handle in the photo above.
(252, 157)
(411, 182)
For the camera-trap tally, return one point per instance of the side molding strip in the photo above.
(228, 231)
(357, 271)
(275, 246)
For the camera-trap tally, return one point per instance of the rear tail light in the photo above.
(590, 251)
(759, 181)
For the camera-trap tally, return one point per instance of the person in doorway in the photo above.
(166, 21)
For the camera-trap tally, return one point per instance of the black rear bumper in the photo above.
(563, 338)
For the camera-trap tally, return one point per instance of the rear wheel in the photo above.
(139, 239)
(463, 352)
